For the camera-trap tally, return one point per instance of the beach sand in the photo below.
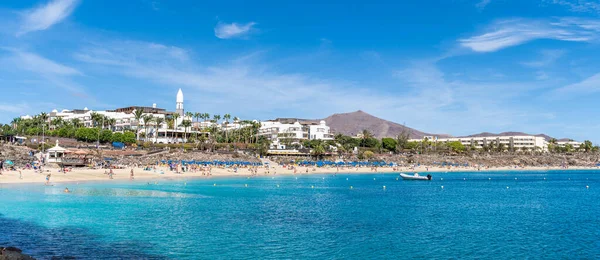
(89, 175)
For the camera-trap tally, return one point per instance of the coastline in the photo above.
(98, 175)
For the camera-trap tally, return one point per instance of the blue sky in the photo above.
(457, 66)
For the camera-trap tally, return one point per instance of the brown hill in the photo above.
(354, 123)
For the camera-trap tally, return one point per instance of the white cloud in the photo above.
(541, 75)
(128, 53)
(250, 88)
(244, 85)
(233, 30)
(440, 104)
(482, 4)
(155, 5)
(508, 33)
(548, 57)
(35, 63)
(43, 17)
(589, 85)
(33, 68)
(13, 108)
(581, 6)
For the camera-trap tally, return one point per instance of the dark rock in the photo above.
(13, 253)
(12, 248)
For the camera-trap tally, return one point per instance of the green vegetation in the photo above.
(456, 146)
(389, 144)
(206, 135)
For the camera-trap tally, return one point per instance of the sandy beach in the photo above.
(88, 175)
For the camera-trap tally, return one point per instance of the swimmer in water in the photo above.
(67, 190)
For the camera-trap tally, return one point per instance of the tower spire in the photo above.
(179, 108)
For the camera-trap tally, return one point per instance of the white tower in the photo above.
(179, 109)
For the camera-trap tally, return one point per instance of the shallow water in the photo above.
(313, 216)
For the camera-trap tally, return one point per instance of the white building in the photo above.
(282, 134)
(124, 119)
(509, 142)
(575, 144)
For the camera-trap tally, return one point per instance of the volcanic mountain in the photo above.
(355, 122)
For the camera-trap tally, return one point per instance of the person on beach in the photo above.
(131, 175)
(20, 175)
(48, 178)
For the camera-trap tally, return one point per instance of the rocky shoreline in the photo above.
(502, 160)
(19, 155)
(13, 253)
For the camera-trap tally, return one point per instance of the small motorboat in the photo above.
(415, 177)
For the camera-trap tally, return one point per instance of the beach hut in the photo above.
(55, 154)
(20, 139)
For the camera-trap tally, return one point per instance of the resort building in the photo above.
(282, 132)
(235, 125)
(123, 119)
(574, 144)
(528, 142)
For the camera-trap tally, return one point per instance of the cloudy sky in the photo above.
(448, 66)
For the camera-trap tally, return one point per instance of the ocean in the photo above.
(491, 215)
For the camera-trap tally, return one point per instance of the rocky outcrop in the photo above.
(186, 156)
(19, 155)
(500, 160)
(13, 253)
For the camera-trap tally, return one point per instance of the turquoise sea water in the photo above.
(470, 217)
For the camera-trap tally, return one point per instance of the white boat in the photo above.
(415, 177)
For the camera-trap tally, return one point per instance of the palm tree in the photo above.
(15, 122)
(76, 122)
(175, 117)
(159, 121)
(111, 122)
(147, 121)
(43, 118)
(170, 124)
(138, 114)
(186, 124)
(201, 116)
(197, 115)
(255, 128)
(189, 115)
(236, 120)
(226, 117)
(500, 147)
(366, 135)
(58, 121)
(96, 118)
(425, 144)
(318, 151)
(216, 119)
